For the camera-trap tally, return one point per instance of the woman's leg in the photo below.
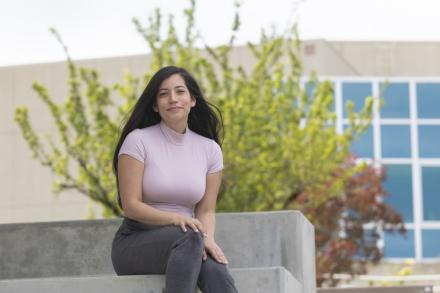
(184, 263)
(140, 249)
(214, 277)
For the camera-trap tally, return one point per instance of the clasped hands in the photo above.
(209, 243)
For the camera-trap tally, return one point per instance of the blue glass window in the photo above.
(396, 100)
(309, 88)
(357, 92)
(431, 240)
(396, 142)
(429, 141)
(431, 193)
(363, 146)
(428, 100)
(398, 184)
(370, 238)
(398, 245)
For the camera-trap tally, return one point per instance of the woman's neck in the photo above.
(178, 126)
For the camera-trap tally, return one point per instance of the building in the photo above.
(405, 135)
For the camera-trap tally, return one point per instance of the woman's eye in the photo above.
(162, 94)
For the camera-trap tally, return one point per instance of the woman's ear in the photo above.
(155, 108)
(193, 101)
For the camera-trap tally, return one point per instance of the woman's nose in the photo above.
(173, 96)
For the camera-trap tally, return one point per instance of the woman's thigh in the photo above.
(141, 249)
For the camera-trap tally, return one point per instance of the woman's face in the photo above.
(173, 100)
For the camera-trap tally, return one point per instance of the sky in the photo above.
(104, 28)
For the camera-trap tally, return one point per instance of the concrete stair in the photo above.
(267, 252)
(249, 280)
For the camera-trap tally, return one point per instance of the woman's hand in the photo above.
(193, 223)
(214, 250)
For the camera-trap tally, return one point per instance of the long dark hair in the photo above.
(202, 118)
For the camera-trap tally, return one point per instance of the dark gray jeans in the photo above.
(140, 249)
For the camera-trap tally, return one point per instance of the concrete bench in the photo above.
(279, 244)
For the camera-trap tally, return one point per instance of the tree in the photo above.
(280, 142)
(344, 243)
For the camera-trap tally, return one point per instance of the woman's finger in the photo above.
(193, 226)
(217, 256)
(182, 225)
(200, 227)
(221, 256)
(205, 256)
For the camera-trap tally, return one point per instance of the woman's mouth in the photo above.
(174, 108)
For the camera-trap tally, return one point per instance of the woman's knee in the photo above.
(189, 245)
(212, 269)
(195, 239)
(215, 277)
(187, 251)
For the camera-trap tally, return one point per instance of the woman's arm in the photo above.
(205, 209)
(205, 212)
(130, 174)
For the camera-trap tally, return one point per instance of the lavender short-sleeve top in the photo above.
(175, 165)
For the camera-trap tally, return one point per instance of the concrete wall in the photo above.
(391, 58)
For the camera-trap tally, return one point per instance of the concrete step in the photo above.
(249, 280)
(82, 248)
(391, 289)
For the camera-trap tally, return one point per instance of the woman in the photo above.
(168, 166)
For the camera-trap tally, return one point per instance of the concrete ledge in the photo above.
(251, 280)
(391, 289)
(265, 239)
(82, 248)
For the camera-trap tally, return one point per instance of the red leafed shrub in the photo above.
(347, 226)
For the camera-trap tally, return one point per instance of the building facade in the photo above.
(405, 137)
